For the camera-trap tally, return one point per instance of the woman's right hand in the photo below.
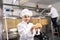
(32, 28)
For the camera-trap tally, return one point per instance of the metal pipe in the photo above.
(6, 28)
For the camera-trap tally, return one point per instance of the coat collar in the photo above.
(24, 22)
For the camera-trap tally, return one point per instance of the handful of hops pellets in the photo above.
(38, 25)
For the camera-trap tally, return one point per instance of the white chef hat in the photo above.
(26, 12)
(49, 6)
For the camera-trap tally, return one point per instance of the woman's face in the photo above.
(26, 18)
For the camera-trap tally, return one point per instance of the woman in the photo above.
(25, 28)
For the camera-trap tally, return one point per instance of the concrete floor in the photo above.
(50, 37)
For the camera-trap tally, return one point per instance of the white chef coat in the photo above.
(53, 13)
(24, 31)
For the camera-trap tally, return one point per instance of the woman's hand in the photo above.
(32, 28)
(46, 14)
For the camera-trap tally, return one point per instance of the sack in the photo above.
(42, 36)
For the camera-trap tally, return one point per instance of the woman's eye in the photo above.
(25, 17)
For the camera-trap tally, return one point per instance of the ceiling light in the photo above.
(14, 1)
(23, 1)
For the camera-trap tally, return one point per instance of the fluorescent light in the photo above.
(14, 29)
(23, 1)
(14, 1)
